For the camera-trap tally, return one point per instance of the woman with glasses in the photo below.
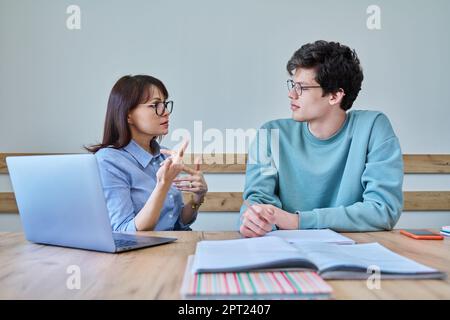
(139, 176)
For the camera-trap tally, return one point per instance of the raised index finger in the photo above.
(188, 170)
(197, 162)
(183, 148)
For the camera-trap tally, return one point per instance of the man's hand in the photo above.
(256, 222)
(283, 219)
(259, 218)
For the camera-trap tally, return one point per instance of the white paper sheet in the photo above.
(321, 235)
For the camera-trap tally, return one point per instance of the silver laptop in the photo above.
(61, 202)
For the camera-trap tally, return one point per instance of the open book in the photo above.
(331, 261)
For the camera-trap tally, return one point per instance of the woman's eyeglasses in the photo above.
(161, 107)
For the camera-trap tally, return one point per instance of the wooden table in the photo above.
(30, 271)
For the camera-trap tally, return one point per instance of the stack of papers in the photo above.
(253, 285)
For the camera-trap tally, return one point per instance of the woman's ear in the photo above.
(336, 97)
(129, 120)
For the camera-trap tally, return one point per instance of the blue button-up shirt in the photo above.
(129, 176)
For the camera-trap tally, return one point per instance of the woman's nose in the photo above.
(166, 113)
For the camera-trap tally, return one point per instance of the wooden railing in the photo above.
(235, 163)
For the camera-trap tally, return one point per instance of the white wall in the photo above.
(224, 64)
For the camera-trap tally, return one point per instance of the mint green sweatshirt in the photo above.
(351, 181)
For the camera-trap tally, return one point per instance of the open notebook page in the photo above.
(331, 256)
(245, 254)
(320, 235)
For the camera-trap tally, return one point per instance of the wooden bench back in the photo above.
(235, 164)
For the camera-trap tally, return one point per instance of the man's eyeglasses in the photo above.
(160, 107)
(298, 87)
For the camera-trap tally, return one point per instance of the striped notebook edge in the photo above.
(253, 285)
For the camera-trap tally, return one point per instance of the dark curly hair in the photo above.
(337, 67)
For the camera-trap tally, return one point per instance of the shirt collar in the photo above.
(141, 155)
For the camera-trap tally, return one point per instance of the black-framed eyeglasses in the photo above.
(298, 87)
(160, 107)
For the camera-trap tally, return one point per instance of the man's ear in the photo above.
(336, 97)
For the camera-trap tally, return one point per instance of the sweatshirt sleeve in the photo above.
(382, 202)
(261, 178)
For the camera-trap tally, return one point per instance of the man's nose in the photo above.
(292, 94)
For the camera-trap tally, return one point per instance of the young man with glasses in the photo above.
(331, 168)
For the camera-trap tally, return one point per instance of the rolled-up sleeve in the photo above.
(117, 191)
(185, 226)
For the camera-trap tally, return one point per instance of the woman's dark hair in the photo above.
(337, 67)
(126, 94)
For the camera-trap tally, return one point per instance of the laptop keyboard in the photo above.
(121, 243)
